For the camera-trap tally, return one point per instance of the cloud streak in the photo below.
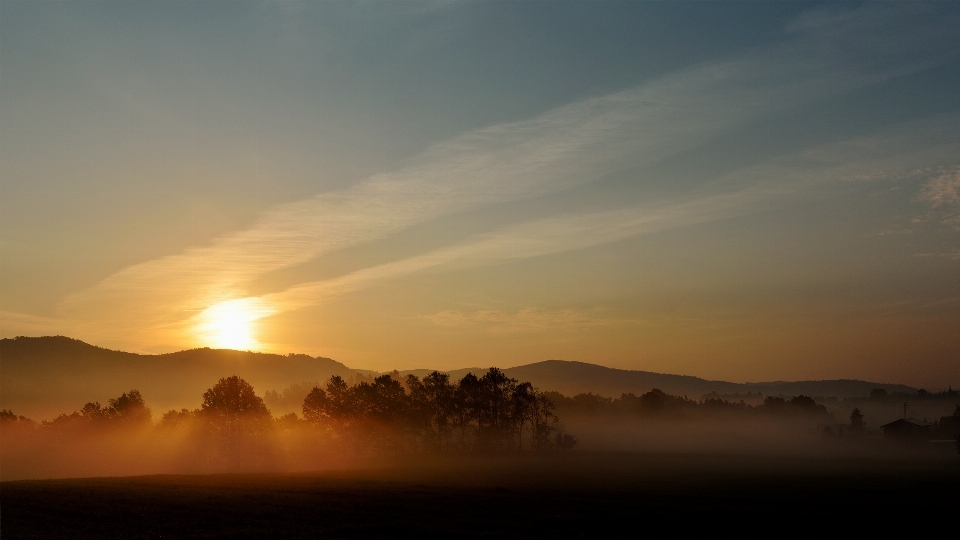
(524, 320)
(766, 182)
(563, 148)
(943, 192)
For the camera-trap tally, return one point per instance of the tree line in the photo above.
(657, 403)
(490, 413)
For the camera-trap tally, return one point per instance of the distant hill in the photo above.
(44, 376)
(572, 378)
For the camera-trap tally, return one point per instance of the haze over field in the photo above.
(177, 415)
(732, 191)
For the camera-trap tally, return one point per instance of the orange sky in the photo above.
(765, 192)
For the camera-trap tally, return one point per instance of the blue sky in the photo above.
(744, 191)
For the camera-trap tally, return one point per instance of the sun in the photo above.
(231, 330)
(231, 324)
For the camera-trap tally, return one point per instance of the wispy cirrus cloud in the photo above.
(775, 180)
(943, 193)
(524, 320)
(556, 234)
(563, 148)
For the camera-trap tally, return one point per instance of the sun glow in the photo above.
(232, 324)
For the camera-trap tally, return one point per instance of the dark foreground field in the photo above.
(576, 495)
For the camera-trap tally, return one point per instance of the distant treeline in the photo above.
(656, 403)
(386, 414)
(491, 413)
(881, 395)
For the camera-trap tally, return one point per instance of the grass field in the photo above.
(577, 495)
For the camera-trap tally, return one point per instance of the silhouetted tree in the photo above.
(774, 404)
(93, 412)
(316, 407)
(7, 416)
(15, 423)
(490, 413)
(421, 414)
(232, 408)
(386, 400)
(340, 403)
(542, 420)
(174, 419)
(806, 404)
(438, 396)
(522, 399)
(653, 401)
(467, 405)
(130, 409)
(495, 410)
(590, 403)
(856, 421)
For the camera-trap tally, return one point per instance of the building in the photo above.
(907, 429)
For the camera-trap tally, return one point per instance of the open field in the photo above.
(574, 495)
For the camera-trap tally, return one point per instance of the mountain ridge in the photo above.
(45, 376)
(572, 377)
(49, 375)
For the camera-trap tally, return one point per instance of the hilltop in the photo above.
(45, 376)
(570, 378)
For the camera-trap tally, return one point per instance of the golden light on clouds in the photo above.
(231, 324)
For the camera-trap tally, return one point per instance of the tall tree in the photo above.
(496, 418)
(468, 407)
(341, 406)
(233, 408)
(316, 407)
(439, 395)
(542, 420)
(420, 413)
(522, 400)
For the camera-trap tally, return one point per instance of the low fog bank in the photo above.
(754, 424)
(426, 423)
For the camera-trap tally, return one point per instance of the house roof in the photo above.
(911, 421)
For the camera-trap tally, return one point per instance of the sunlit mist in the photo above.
(231, 324)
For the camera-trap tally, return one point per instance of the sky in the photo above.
(745, 191)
